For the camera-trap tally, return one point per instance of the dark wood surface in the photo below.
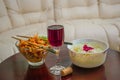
(17, 68)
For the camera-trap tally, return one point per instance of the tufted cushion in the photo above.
(39, 28)
(110, 1)
(84, 29)
(109, 8)
(76, 9)
(117, 24)
(80, 12)
(75, 3)
(112, 35)
(5, 51)
(25, 12)
(4, 19)
(89, 30)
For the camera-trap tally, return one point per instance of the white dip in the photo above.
(87, 59)
(79, 48)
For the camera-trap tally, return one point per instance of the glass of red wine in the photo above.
(56, 39)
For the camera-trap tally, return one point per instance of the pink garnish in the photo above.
(87, 48)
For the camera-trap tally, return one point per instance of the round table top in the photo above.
(17, 68)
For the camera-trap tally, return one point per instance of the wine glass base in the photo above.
(56, 70)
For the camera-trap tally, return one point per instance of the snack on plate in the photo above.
(34, 48)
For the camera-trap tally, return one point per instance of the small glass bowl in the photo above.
(35, 57)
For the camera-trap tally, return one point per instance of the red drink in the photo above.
(56, 35)
(56, 38)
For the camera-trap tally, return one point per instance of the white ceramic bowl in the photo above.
(88, 59)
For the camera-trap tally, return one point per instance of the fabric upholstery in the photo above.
(5, 51)
(109, 8)
(25, 12)
(76, 9)
(27, 17)
(91, 19)
(117, 24)
(98, 19)
(84, 29)
(113, 36)
(5, 23)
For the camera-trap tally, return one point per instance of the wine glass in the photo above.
(56, 39)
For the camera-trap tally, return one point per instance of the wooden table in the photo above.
(17, 68)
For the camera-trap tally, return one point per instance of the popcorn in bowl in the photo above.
(88, 53)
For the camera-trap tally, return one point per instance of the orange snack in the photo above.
(66, 71)
(33, 48)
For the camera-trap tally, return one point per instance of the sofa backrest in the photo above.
(5, 23)
(109, 8)
(76, 9)
(86, 9)
(25, 12)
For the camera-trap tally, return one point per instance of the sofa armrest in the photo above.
(5, 51)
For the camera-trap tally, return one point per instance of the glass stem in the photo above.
(57, 49)
(58, 59)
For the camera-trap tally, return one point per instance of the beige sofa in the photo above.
(22, 17)
(90, 18)
(99, 19)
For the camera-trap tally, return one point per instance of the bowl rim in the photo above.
(89, 39)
